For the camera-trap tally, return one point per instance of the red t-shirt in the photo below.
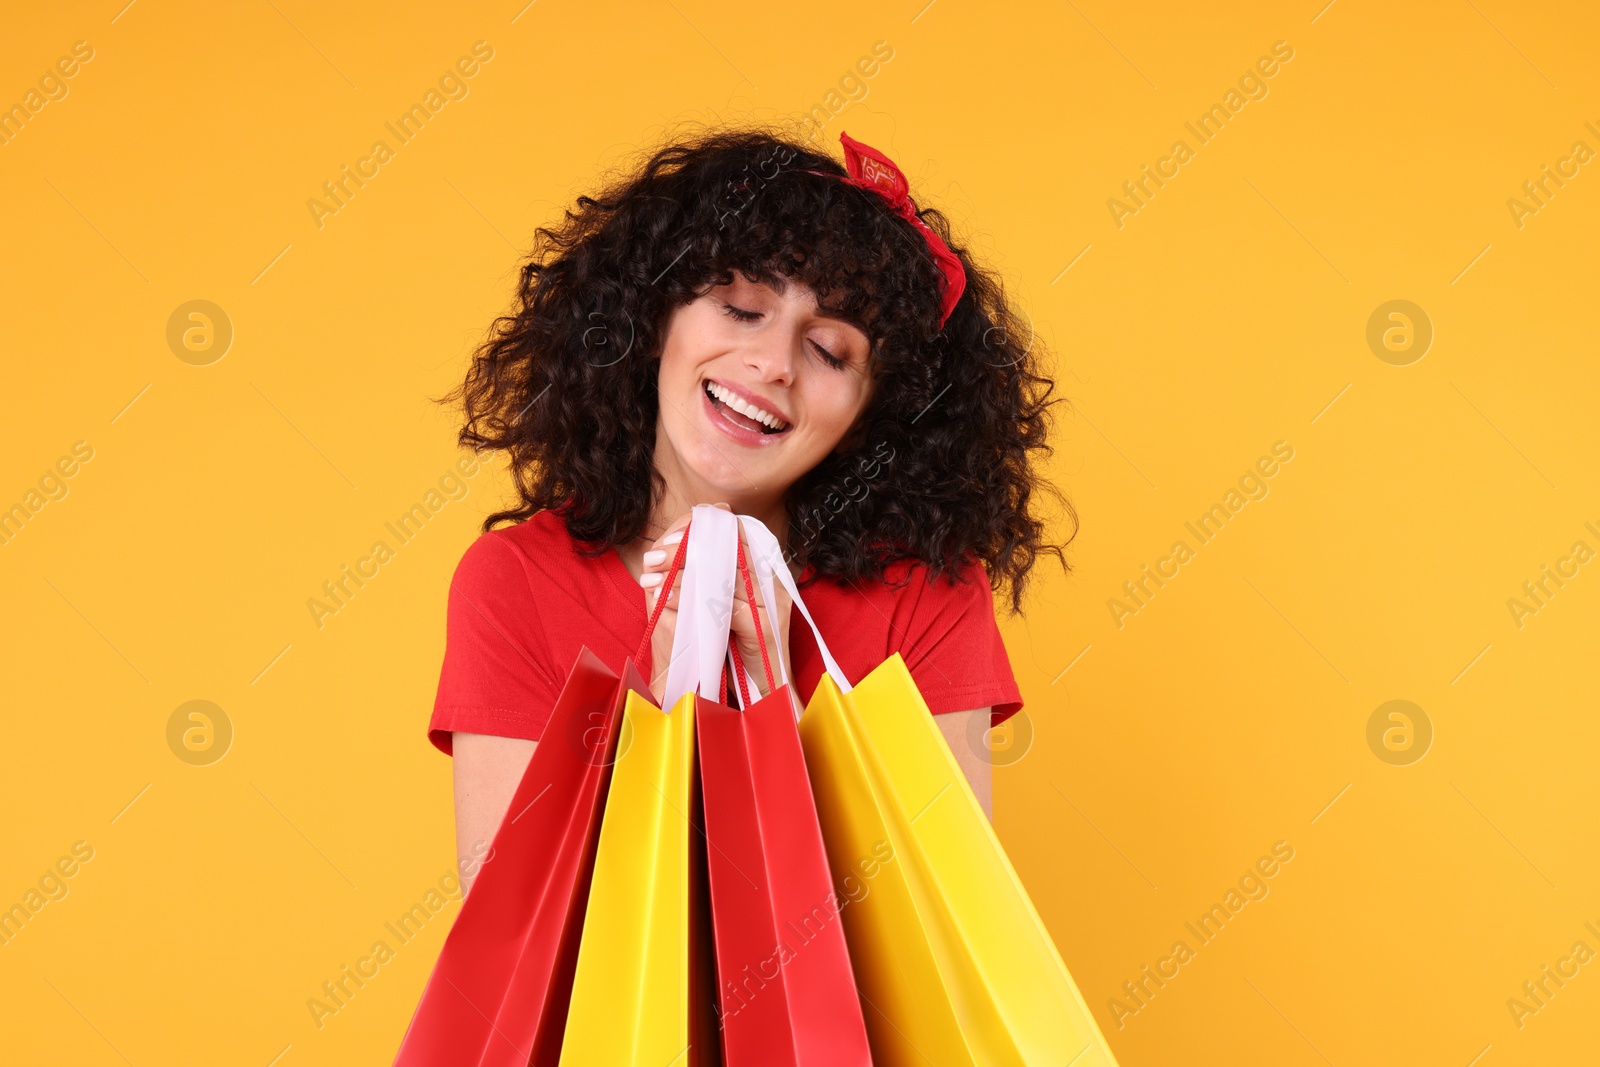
(523, 602)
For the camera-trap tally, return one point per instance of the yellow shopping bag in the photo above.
(952, 961)
(640, 993)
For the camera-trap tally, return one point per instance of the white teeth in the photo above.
(732, 400)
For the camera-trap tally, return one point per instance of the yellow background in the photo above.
(1229, 313)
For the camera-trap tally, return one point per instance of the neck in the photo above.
(684, 490)
(678, 500)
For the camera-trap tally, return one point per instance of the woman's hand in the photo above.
(657, 561)
(744, 629)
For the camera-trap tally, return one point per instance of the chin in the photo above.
(729, 482)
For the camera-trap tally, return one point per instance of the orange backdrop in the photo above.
(1307, 769)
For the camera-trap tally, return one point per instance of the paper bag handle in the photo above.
(770, 564)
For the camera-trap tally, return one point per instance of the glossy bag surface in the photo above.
(632, 995)
(787, 995)
(954, 965)
(498, 994)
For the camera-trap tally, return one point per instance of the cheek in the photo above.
(834, 406)
(690, 332)
(670, 367)
(674, 360)
(680, 362)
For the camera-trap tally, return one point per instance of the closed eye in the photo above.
(828, 357)
(741, 315)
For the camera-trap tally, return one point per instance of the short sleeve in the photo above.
(496, 677)
(953, 649)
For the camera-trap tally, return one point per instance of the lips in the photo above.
(752, 407)
(741, 417)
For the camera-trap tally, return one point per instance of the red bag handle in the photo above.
(761, 641)
(644, 655)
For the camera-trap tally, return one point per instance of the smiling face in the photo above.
(756, 387)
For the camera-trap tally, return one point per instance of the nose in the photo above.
(775, 351)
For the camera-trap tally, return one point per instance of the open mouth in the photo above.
(743, 414)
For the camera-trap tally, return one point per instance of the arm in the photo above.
(486, 771)
(957, 726)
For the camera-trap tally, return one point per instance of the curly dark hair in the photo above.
(939, 467)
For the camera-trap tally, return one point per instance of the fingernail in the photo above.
(654, 556)
(672, 538)
(651, 580)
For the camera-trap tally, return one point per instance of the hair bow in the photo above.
(872, 170)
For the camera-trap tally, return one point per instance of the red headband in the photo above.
(871, 169)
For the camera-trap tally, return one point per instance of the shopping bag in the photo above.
(642, 988)
(497, 996)
(787, 996)
(954, 964)
(630, 997)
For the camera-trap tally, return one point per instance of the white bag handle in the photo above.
(705, 605)
(769, 563)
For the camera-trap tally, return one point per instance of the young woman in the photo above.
(743, 321)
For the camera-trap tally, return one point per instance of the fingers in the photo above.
(739, 593)
(653, 593)
(656, 564)
(651, 582)
(657, 561)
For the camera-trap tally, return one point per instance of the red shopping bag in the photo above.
(787, 995)
(498, 994)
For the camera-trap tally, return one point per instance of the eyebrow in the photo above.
(839, 316)
(780, 285)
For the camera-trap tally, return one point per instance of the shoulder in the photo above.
(969, 573)
(910, 603)
(943, 626)
(532, 570)
(959, 592)
(908, 582)
(507, 553)
(504, 660)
